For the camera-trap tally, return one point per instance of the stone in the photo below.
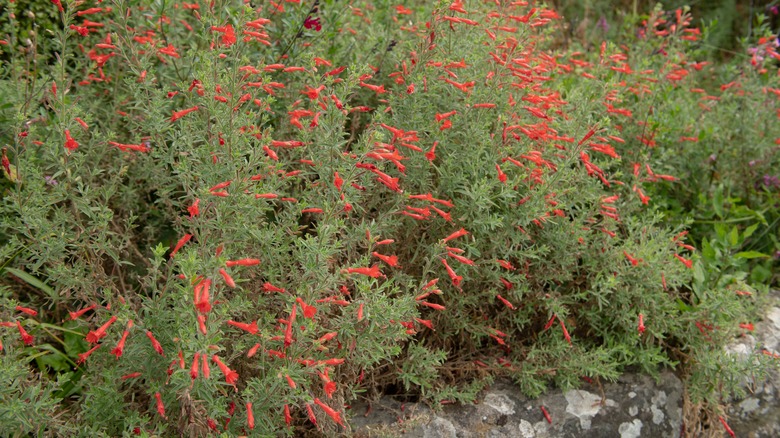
(630, 430)
(526, 429)
(653, 410)
(583, 405)
(758, 414)
(440, 428)
(501, 403)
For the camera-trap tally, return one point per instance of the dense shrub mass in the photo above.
(240, 216)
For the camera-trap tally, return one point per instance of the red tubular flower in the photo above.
(631, 259)
(549, 323)
(501, 174)
(202, 323)
(425, 322)
(250, 416)
(70, 144)
(336, 416)
(546, 414)
(160, 405)
(205, 367)
(290, 381)
(433, 306)
(242, 262)
(193, 209)
(27, 310)
(456, 279)
(726, 426)
(391, 260)
(251, 328)
(455, 235)
(373, 271)
(588, 135)
(230, 376)
(6, 162)
(94, 336)
(81, 30)
(26, 337)
(329, 387)
(202, 302)
(337, 181)
(83, 356)
(332, 362)
(77, 314)
(641, 326)
(228, 279)
(327, 337)
(506, 302)
(310, 411)
(688, 263)
(288, 331)
(179, 114)
(461, 259)
(82, 123)
(181, 243)
(565, 332)
(308, 311)
(268, 287)
(194, 367)
(155, 344)
(287, 416)
(220, 186)
(228, 34)
(120, 347)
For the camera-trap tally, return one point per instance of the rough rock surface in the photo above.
(635, 406)
(758, 414)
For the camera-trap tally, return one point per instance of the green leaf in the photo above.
(32, 281)
(717, 202)
(56, 360)
(749, 231)
(707, 251)
(734, 236)
(698, 273)
(750, 255)
(682, 306)
(760, 274)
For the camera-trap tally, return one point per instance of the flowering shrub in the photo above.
(232, 217)
(712, 140)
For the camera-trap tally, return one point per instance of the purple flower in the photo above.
(50, 181)
(602, 24)
(768, 182)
